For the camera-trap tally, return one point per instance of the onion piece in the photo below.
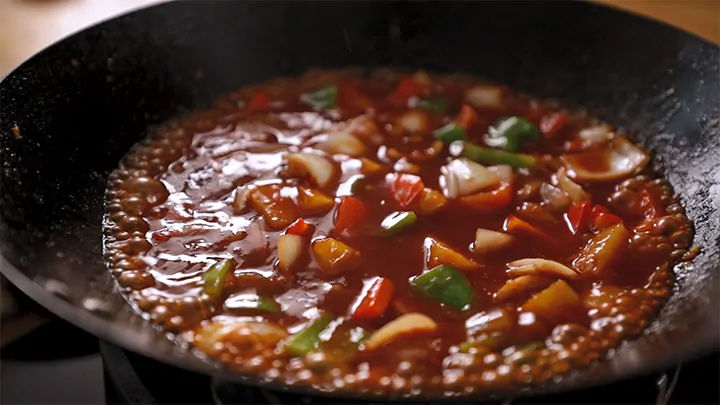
(504, 172)
(524, 267)
(555, 197)
(574, 190)
(487, 241)
(522, 286)
(320, 169)
(214, 336)
(405, 324)
(619, 160)
(414, 121)
(342, 143)
(484, 96)
(462, 177)
(289, 248)
(596, 134)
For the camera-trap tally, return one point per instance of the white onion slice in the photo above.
(619, 160)
(524, 267)
(319, 168)
(557, 198)
(574, 190)
(413, 121)
(342, 143)
(462, 177)
(484, 96)
(289, 248)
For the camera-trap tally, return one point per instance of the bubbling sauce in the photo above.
(394, 233)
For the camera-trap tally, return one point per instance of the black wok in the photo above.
(79, 105)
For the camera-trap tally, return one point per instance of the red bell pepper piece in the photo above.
(578, 217)
(551, 124)
(651, 205)
(405, 188)
(495, 199)
(260, 101)
(514, 224)
(467, 117)
(349, 96)
(375, 301)
(406, 89)
(350, 214)
(300, 228)
(602, 218)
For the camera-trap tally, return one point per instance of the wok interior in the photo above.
(80, 105)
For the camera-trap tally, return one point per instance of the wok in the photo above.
(71, 112)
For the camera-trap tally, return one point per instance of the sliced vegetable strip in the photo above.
(375, 301)
(488, 156)
(446, 284)
(214, 278)
(308, 338)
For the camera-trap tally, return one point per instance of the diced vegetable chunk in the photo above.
(334, 256)
(406, 89)
(574, 190)
(277, 211)
(602, 218)
(598, 255)
(397, 222)
(300, 228)
(621, 159)
(463, 177)
(259, 102)
(402, 326)
(405, 187)
(522, 286)
(370, 167)
(437, 253)
(413, 122)
(214, 336)
(308, 338)
(318, 169)
(429, 104)
(290, 249)
(578, 217)
(342, 143)
(490, 156)
(467, 118)
(557, 304)
(487, 241)
(484, 96)
(447, 285)
(253, 301)
(450, 133)
(516, 225)
(511, 133)
(429, 201)
(351, 214)
(321, 99)
(214, 278)
(551, 268)
(552, 123)
(313, 202)
(375, 300)
(492, 200)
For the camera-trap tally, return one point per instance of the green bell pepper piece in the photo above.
(308, 339)
(259, 302)
(397, 221)
(429, 104)
(321, 99)
(214, 278)
(446, 284)
(488, 156)
(510, 133)
(450, 133)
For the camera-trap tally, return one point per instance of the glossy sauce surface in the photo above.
(230, 182)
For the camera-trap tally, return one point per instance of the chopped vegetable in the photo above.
(621, 159)
(446, 284)
(342, 143)
(596, 134)
(351, 214)
(522, 286)
(407, 88)
(450, 133)
(462, 177)
(321, 99)
(313, 202)
(555, 197)
(511, 133)
(598, 255)
(370, 167)
(496, 199)
(240, 199)
(578, 217)
(308, 338)
(401, 326)
(214, 337)
(429, 201)
(437, 253)
(484, 96)
(398, 221)
(430, 104)
(493, 321)
(334, 256)
(290, 249)
(574, 190)
(551, 268)
(557, 304)
(300, 228)
(259, 102)
(253, 301)
(552, 123)
(484, 343)
(214, 278)
(405, 187)
(467, 118)
(489, 156)
(487, 241)
(349, 96)
(602, 218)
(514, 224)
(320, 170)
(413, 122)
(375, 300)
(277, 211)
